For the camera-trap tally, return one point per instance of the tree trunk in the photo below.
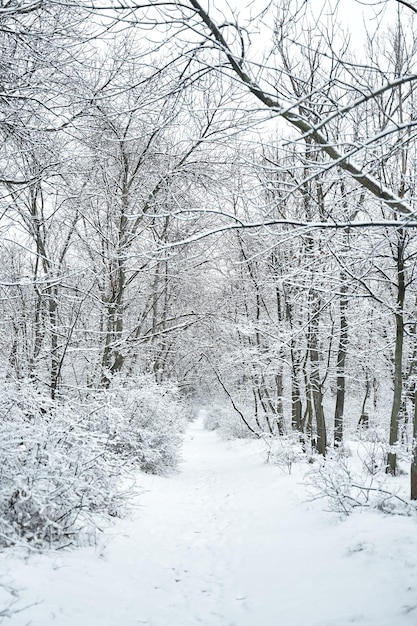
(364, 418)
(296, 402)
(413, 473)
(279, 406)
(398, 355)
(316, 386)
(53, 320)
(341, 362)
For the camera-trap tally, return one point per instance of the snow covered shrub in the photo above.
(344, 484)
(61, 465)
(285, 451)
(332, 479)
(54, 472)
(143, 421)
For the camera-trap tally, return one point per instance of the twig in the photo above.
(379, 490)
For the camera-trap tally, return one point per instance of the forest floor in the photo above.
(228, 540)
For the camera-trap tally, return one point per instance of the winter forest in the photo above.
(205, 208)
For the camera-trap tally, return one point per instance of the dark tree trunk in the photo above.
(364, 418)
(315, 380)
(413, 479)
(341, 362)
(398, 355)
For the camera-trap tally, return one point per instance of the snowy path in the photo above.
(228, 541)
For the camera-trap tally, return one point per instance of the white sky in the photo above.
(354, 15)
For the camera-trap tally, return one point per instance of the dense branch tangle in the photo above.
(198, 20)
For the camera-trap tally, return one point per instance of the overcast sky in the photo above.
(354, 15)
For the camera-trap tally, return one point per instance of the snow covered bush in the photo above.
(64, 463)
(143, 421)
(285, 451)
(54, 472)
(346, 483)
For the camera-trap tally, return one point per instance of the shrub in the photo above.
(143, 422)
(347, 485)
(286, 450)
(54, 472)
(64, 466)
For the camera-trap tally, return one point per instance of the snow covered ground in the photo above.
(228, 541)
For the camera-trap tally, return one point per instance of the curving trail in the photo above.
(228, 541)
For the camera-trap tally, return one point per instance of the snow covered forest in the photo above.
(204, 206)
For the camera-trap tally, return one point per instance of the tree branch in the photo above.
(408, 5)
(374, 186)
(227, 392)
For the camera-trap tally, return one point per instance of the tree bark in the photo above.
(398, 355)
(341, 362)
(316, 386)
(413, 473)
(364, 417)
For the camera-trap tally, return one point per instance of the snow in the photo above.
(227, 541)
